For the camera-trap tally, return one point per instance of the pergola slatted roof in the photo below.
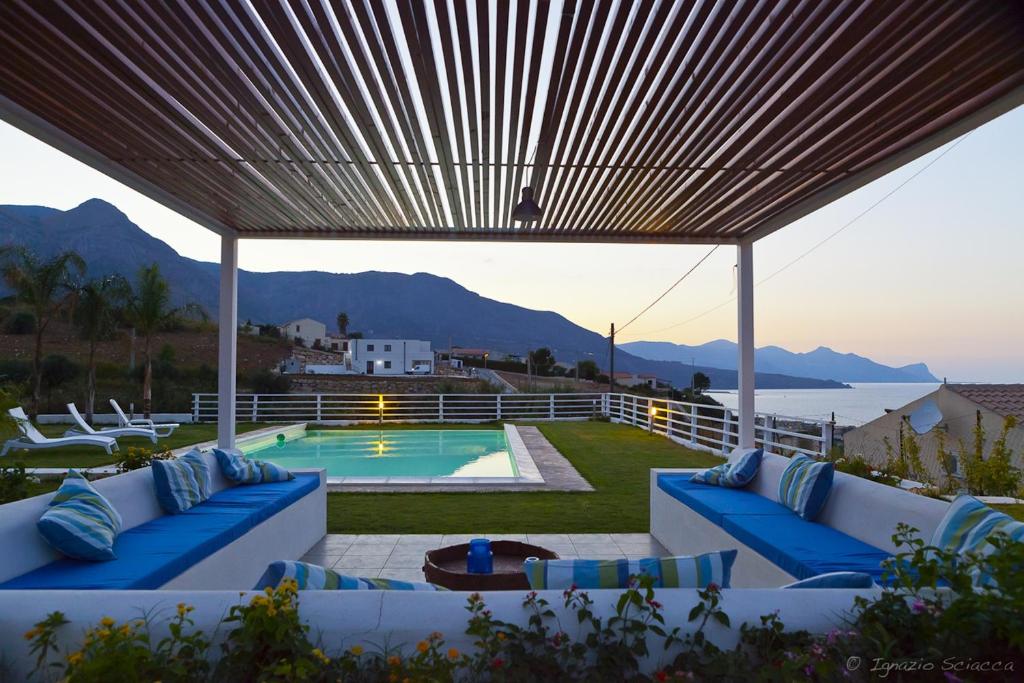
(672, 121)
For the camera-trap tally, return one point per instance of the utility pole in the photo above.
(611, 360)
(529, 373)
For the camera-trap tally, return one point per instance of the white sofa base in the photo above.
(684, 531)
(288, 535)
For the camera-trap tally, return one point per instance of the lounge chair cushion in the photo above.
(153, 553)
(803, 548)
(805, 485)
(736, 473)
(668, 572)
(182, 483)
(713, 502)
(80, 522)
(313, 577)
(835, 580)
(243, 470)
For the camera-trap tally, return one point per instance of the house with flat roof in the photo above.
(308, 330)
(390, 356)
(953, 410)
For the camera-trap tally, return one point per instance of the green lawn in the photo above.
(1015, 511)
(93, 456)
(615, 459)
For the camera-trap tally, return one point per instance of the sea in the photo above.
(863, 403)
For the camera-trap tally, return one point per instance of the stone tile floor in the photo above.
(400, 557)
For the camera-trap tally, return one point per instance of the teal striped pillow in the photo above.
(805, 485)
(80, 522)
(237, 467)
(312, 577)
(967, 527)
(667, 572)
(182, 483)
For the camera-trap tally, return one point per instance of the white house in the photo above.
(632, 379)
(390, 356)
(306, 329)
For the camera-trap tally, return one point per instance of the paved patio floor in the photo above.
(400, 557)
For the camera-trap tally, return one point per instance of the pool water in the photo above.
(395, 453)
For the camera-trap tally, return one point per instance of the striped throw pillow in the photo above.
(182, 483)
(668, 572)
(241, 469)
(805, 485)
(80, 522)
(835, 580)
(313, 577)
(967, 527)
(735, 474)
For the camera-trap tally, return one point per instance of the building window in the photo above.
(369, 347)
(387, 365)
(387, 347)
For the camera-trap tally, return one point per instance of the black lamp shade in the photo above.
(527, 210)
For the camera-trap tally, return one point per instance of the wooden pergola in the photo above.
(672, 121)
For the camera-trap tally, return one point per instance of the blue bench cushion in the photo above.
(798, 546)
(804, 548)
(714, 502)
(151, 554)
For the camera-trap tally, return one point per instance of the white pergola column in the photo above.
(745, 366)
(227, 359)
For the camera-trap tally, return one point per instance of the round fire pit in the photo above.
(447, 567)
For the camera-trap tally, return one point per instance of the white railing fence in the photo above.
(713, 428)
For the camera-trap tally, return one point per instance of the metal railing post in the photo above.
(693, 424)
(726, 431)
(827, 431)
(195, 407)
(319, 418)
(497, 408)
(551, 406)
(255, 403)
(440, 407)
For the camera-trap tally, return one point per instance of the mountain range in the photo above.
(821, 363)
(380, 304)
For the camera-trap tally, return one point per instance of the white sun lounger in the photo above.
(113, 432)
(32, 439)
(162, 429)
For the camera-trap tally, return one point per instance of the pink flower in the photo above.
(919, 607)
(713, 587)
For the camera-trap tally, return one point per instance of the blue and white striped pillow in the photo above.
(835, 580)
(312, 577)
(668, 572)
(967, 527)
(80, 522)
(182, 483)
(735, 474)
(238, 468)
(805, 485)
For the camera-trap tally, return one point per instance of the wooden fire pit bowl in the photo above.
(447, 567)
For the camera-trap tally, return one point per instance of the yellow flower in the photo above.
(32, 633)
(75, 658)
(107, 622)
(356, 650)
(453, 653)
(422, 646)
(103, 633)
(125, 630)
(268, 590)
(394, 660)
(501, 635)
(319, 654)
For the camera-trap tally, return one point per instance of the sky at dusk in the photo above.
(935, 273)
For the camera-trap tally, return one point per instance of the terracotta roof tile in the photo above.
(1003, 399)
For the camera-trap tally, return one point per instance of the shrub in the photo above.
(137, 458)
(21, 322)
(267, 382)
(14, 483)
(58, 370)
(15, 371)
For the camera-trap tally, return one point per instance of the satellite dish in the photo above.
(925, 417)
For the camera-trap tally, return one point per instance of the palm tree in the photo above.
(343, 324)
(97, 306)
(45, 288)
(149, 310)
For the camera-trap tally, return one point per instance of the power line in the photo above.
(819, 244)
(674, 285)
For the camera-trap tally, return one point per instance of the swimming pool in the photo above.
(420, 454)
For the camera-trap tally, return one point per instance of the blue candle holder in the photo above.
(480, 558)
